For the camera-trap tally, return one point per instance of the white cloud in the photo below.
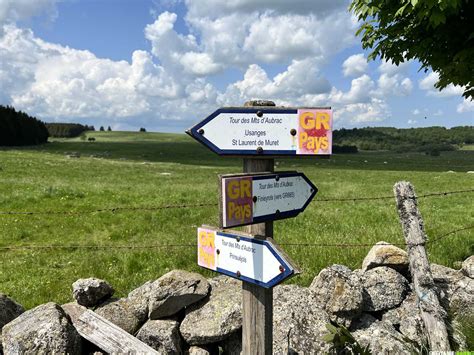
(465, 106)
(199, 64)
(416, 112)
(217, 8)
(12, 11)
(394, 85)
(242, 32)
(170, 82)
(355, 65)
(359, 104)
(412, 122)
(279, 38)
(387, 67)
(428, 84)
(374, 111)
(301, 77)
(58, 82)
(360, 91)
(393, 80)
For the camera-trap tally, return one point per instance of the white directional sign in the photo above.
(243, 257)
(256, 198)
(266, 131)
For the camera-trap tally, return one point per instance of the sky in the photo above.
(166, 65)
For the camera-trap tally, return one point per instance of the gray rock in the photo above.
(9, 310)
(216, 317)
(462, 297)
(380, 336)
(468, 267)
(162, 335)
(140, 298)
(44, 329)
(444, 274)
(455, 290)
(298, 324)
(385, 254)
(196, 350)
(174, 291)
(407, 319)
(384, 288)
(90, 292)
(457, 297)
(122, 313)
(338, 291)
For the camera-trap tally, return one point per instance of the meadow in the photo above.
(146, 170)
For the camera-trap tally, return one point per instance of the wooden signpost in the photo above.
(266, 130)
(241, 256)
(255, 198)
(258, 132)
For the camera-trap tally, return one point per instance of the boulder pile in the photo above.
(183, 312)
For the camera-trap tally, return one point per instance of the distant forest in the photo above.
(428, 139)
(67, 130)
(18, 128)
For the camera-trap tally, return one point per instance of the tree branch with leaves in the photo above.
(437, 33)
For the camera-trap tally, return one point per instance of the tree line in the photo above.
(68, 130)
(18, 128)
(424, 139)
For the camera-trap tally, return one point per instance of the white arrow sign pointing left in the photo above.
(239, 255)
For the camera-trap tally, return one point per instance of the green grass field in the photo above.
(123, 169)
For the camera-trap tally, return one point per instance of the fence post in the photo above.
(412, 224)
(257, 302)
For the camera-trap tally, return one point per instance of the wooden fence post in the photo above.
(103, 333)
(412, 223)
(257, 302)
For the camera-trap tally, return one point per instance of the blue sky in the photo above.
(166, 65)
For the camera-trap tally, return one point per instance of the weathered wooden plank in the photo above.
(432, 313)
(103, 333)
(257, 302)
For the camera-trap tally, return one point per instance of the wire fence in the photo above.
(194, 245)
(206, 204)
(99, 247)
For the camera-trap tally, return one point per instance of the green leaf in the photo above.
(400, 11)
(328, 338)
(331, 328)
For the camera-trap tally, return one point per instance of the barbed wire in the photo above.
(94, 247)
(355, 245)
(112, 209)
(432, 194)
(205, 204)
(194, 245)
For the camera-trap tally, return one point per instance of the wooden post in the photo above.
(103, 333)
(257, 302)
(412, 223)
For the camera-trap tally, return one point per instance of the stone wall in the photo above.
(182, 312)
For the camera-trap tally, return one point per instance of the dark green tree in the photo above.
(109, 129)
(66, 130)
(18, 128)
(439, 34)
(101, 128)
